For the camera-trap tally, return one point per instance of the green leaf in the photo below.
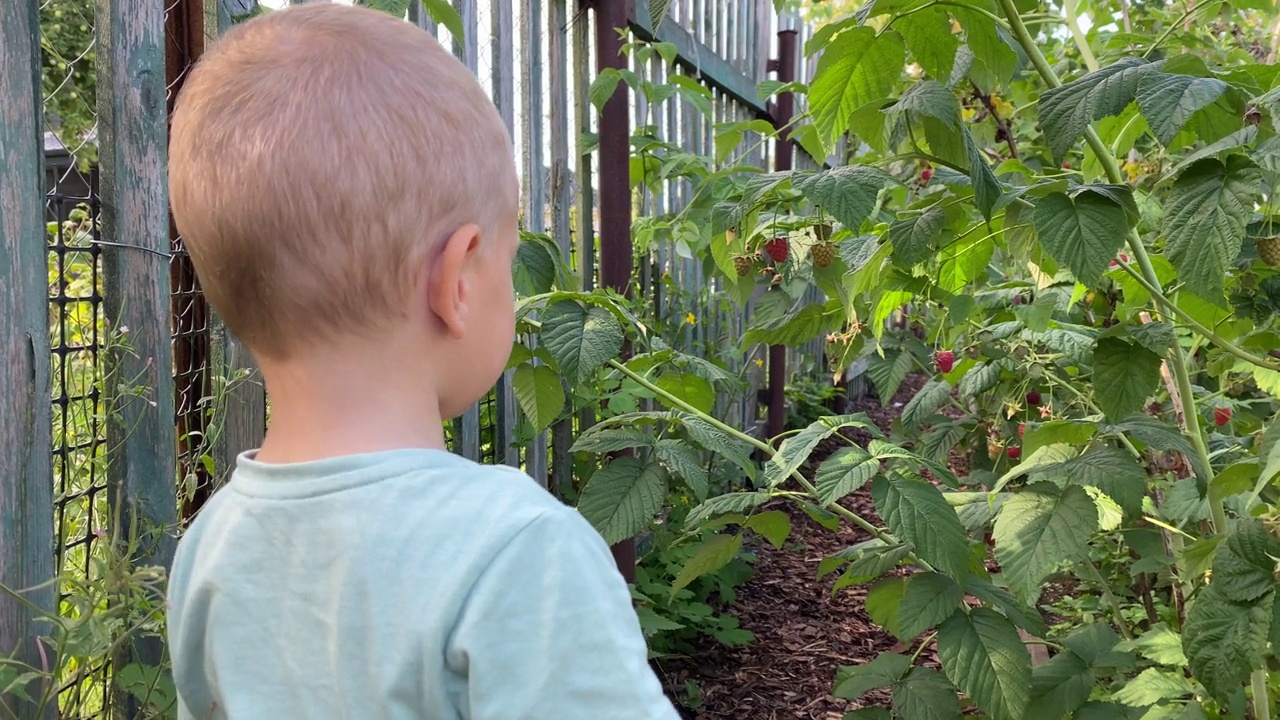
(1095, 643)
(1095, 710)
(981, 653)
(848, 192)
(925, 695)
(796, 449)
(1168, 101)
(1205, 218)
(913, 237)
(773, 525)
(883, 600)
(684, 462)
(1224, 640)
(1056, 432)
(986, 187)
(994, 60)
(1151, 686)
(845, 471)
(622, 498)
(926, 402)
(854, 681)
(1067, 110)
(868, 563)
(715, 440)
(1039, 528)
(1019, 613)
(1160, 644)
(979, 379)
(689, 387)
(928, 599)
(1083, 233)
(539, 392)
(1244, 567)
(928, 35)
(888, 373)
(603, 87)
(445, 14)
(868, 713)
(716, 552)
(658, 12)
(857, 67)
(791, 329)
(917, 512)
(1124, 375)
(1061, 685)
(1156, 336)
(963, 260)
(734, 502)
(1111, 470)
(580, 339)
(1160, 436)
(932, 99)
(611, 439)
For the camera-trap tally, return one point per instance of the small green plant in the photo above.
(809, 399)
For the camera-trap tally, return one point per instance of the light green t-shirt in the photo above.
(406, 585)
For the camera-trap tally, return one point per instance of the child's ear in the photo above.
(448, 294)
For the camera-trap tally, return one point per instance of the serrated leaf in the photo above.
(1039, 528)
(715, 440)
(1095, 710)
(854, 681)
(713, 554)
(1168, 101)
(1124, 375)
(1018, 612)
(1156, 336)
(1095, 643)
(773, 525)
(1224, 641)
(580, 339)
(963, 260)
(913, 237)
(1160, 644)
(1061, 685)
(981, 653)
(1067, 110)
(924, 694)
(791, 329)
(928, 599)
(928, 35)
(1204, 222)
(887, 374)
(917, 512)
(883, 600)
(1160, 436)
(611, 439)
(986, 187)
(734, 502)
(857, 67)
(1111, 470)
(689, 387)
(869, 713)
(539, 392)
(685, 463)
(926, 402)
(1151, 686)
(622, 498)
(603, 87)
(980, 378)
(993, 58)
(848, 192)
(1083, 233)
(796, 449)
(1244, 567)
(932, 99)
(868, 563)
(845, 471)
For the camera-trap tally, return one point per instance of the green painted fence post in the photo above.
(142, 447)
(26, 475)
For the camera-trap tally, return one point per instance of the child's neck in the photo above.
(357, 403)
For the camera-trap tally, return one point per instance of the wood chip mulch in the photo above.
(803, 631)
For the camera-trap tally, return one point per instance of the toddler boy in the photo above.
(348, 196)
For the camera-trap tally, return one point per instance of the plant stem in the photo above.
(1261, 703)
(1174, 26)
(1176, 358)
(1082, 42)
(1112, 600)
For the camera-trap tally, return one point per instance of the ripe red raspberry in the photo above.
(777, 249)
(926, 175)
(945, 360)
(1221, 416)
(1014, 452)
(1033, 399)
(1022, 430)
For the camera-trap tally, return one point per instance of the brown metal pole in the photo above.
(783, 110)
(615, 188)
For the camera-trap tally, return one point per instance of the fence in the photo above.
(85, 118)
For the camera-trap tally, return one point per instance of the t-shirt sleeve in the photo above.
(549, 631)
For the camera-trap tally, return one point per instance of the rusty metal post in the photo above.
(783, 110)
(615, 187)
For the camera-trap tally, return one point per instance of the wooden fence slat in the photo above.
(132, 130)
(502, 21)
(26, 475)
(467, 48)
(535, 173)
(561, 201)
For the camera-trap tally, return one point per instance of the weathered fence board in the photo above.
(26, 475)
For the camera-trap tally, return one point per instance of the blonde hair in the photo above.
(316, 154)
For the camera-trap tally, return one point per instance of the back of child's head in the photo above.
(316, 154)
